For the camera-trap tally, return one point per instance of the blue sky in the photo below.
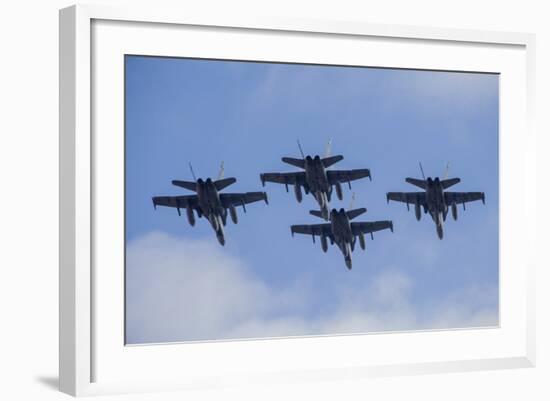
(267, 283)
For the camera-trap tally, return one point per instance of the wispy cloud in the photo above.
(182, 289)
(305, 86)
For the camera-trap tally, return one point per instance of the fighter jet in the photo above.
(434, 199)
(315, 178)
(209, 202)
(341, 231)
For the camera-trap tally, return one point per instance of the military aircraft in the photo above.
(434, 199)
(341, 231)
(315, 178)
(209, 202)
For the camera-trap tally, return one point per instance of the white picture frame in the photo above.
(88, 343)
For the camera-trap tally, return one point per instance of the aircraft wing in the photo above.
(241, 199)
(285, 178)
(335, 176)
(463, 197)
(370, 227)
(312, 229)
(184, 201)
(407, 197)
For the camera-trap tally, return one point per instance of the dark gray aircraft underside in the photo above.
(341, 231)
(209, 202)
(434, 199)
(316, 179)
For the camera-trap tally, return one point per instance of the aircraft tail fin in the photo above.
(416, 182)
(294, 162)
(224, 183)
(190, 185)
(316, 213)
(355, 212)
(329, 161)
(450, 182)
(328, 148)
(422, 170)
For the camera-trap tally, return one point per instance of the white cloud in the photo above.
(184, 289)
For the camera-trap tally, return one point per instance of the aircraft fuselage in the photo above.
(316, 175)
(343, 236)
(436, 205)
(211, 206)
(317, 182)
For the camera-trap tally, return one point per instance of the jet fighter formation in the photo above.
(318, 180)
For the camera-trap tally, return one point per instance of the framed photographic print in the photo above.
(273, 200)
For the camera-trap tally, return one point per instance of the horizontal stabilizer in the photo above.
(355, 212)
(184, 201)
(294, 162)
(416, 182)
(316, 213)
(329, 161)
(190, 185)
(224, 183)
(450, 182)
